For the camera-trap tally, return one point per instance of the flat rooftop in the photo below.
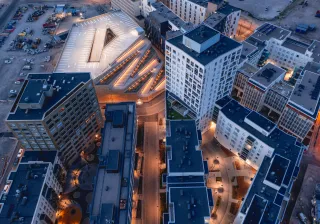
(214, 19)
(266, 76)
(284, 162)
(248, 70)
(33, 85)
(44, 156)
(29, 187)
(115, 139)
(224, 45)
(256, 210)
(163, 14)
(247, 50)
(282, 88)
(190, 204)
(305, 96)
(296, 45)
(80, 43)
(267, 31)
(315, 49)
(204, 3)
(277, 170)
(255, 42)
(201, 34)
(183, 140)
(261, 121)
(237, 113)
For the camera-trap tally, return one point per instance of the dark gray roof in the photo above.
(277, 170)
(261, 121)
(268, 30)
(223, 101)
(113, 160)
(306, 94)
(58, 97)
(32, 192)
(237, 113)
(44, 156)
(201, 34)
(183, 142)
(214, 19)
(296, 45)
(204, 3)
(315, 49)
(191, 204)
(228, 9)
(285, 146)
(224, 45)
(266, 76)
(107, 213)
(163, 14)
(32, 91)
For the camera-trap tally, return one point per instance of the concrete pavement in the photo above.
(151, 202)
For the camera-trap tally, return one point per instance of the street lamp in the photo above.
(139, 102)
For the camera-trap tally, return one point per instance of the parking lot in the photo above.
(12, 62)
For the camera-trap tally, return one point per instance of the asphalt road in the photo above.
(151, 202)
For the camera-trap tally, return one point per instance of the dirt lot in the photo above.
(302, 14)
(289, 18)
(303, 203)
(258, 7)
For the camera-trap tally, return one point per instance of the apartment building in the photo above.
(32, 190)
(57, 111)
(113, 184)
(162, 24)
(302, 109)
(130, 7)
(286, 50)
(258, 85)
(244, 73)
(188, 198)
(200, 69)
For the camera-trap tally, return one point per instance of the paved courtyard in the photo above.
(229, 179)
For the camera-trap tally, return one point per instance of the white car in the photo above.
(13, 91)
(22, 74)
(17, 82)
(7, 62)
(20, 153)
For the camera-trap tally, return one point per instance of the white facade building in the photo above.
(146, 7)
(200, 69)
(285, 50)
(130, 7)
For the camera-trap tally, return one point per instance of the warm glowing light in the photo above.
(212, 125)
(139, 102)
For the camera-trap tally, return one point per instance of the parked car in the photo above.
(17, 82)
(22, 74)
(7, 61)
(26, 67)
(20, 80)
(13, 91)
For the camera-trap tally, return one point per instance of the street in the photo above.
(151, 202)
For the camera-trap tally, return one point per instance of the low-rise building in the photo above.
(285, 49)
(32, 191)
(275, 154)
(302, 109)
(57, 111)
(113, 184)
(258, 85)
